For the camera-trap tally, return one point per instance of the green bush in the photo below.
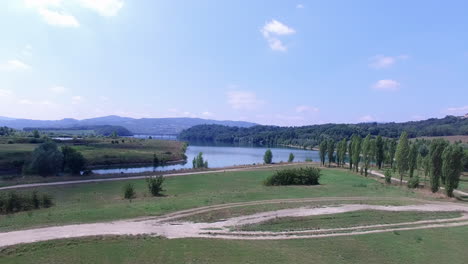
(73, 161)
(300, 176)
(268, 157)
(13, 202)
(129, 191)
(155, 185)
(46, 160)
(413, 182)
(388, 176)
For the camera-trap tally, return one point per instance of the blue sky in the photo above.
(271, 62)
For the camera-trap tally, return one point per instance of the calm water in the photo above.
(223, 156)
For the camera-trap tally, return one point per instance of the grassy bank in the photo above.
(101, 151)
(103, 201)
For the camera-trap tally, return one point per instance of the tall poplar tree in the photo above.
(413, 159)
(356, 152)
(379, 151)
(366, 153)
(452, 167)
(323, 148)
(435, 163)
(401, 155)
(331, 151)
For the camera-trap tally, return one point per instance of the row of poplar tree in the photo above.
(438, 159)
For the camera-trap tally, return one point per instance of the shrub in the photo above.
(198, 162)
(46, 200)
(46, 160)
(129, 191)
(155, 185)
(388, 176)
(300, 176)
(16, 202)
(291, 157)
(73, 161)
(268, 157)
(413, 182)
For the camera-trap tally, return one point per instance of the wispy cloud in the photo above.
(387, 85)
(243, 100)
(77, 99)
(5, 93)
(366, 118)
(57, 18)
(458, 110)
(306, 109)
(103, 7)
(299, 6)
(382, 61)
(272, 30)
(58, 89)
(14, 65)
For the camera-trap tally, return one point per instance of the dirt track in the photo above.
(171, 226)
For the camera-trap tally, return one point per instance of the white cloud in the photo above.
(382, 61)
(243, 100)
(386, 85)
(458, 110)
(26, 102)
(58, 89)
(299, 6)
(27, 50)
(77, 99)
(207, 114)
(272, 30)
(14, 65)
(103, 7)
(366, 118)
(42, 3)
(306, 109)
(59, 19)
(5, 93)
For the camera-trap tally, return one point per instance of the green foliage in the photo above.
(379, 151)
(323, 149)
(366, 153)
(129, 191)
(331, 151)
(268, 156)
(452, 167)
(296, 176)
(402, 154)
(308, 136)
(435, 160)
(412, 159)
(36, 134)
(73, 161)
(413, 182)
(199, 163)
(392, 145)
(46, 160)
(155, 185)
(388, 176)
(291, 157)
(356, 142)
(155, 160)
(13, 202)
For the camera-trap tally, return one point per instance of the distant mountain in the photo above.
(6, 118)
(145, 126)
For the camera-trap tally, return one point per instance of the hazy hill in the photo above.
(166, 126)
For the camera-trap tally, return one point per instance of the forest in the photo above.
(311, 136)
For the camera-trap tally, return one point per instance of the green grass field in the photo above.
(103, 201)
(342, 220)
(101, 151)
(445, 245)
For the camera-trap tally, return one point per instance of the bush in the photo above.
(73, 161)
(300, 176)
(129, 191)
(413, 182)
(155, 185)
(199, 163)
(16, 202)
(46, 160)
(388, 176)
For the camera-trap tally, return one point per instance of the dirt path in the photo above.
(170, 227)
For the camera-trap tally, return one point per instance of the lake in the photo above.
(223, 156)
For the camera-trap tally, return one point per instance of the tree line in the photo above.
(311, 136)
(439, 160)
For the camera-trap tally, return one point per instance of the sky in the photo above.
(287, 63)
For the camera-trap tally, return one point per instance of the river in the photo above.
(223, 156)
